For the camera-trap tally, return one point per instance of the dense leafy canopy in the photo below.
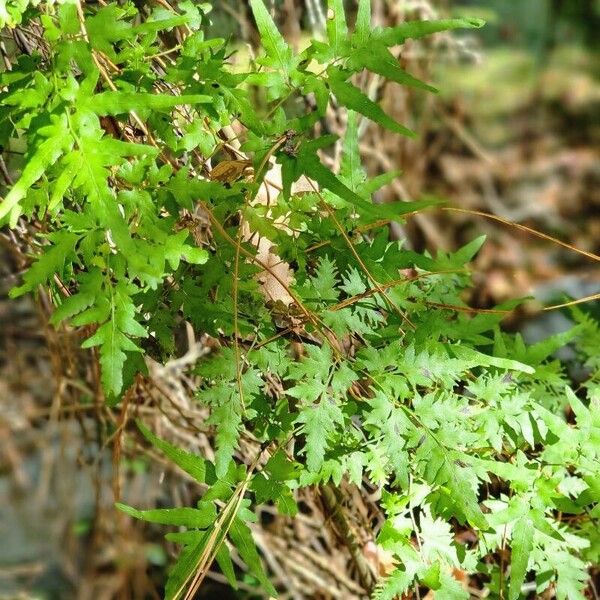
(460, 424)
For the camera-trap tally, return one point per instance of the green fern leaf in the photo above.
(393, 36)
(353, 98)
(278, 54)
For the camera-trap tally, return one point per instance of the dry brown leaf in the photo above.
(229, 171)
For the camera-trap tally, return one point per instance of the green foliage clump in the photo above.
(462, 426)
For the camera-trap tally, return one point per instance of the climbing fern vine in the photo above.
(148, 159)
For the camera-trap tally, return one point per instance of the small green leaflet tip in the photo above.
(475, 22)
